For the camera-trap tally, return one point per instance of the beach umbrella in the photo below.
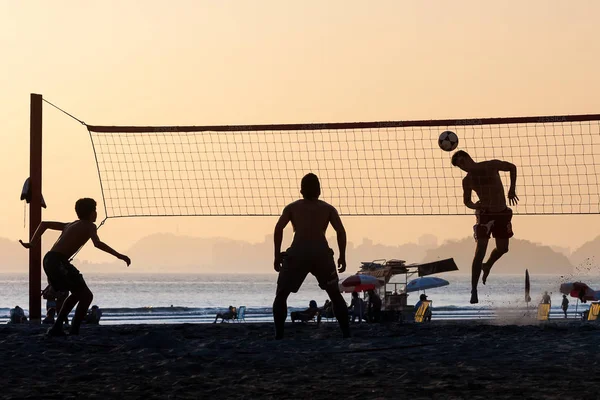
(580, 290)
(426, 282)
(527, 287)
(360, 283)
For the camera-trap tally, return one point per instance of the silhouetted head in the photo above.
(86, 209)
(545, 293)
(310, 187)
(423, 297)
(564, 296)
(312, 304)
(462, 160)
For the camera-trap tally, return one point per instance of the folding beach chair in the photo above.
(241, 314)
(594, 311)
(421, 314)
(543, 312)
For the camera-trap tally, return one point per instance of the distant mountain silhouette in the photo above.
(586, 259)
(166, 253)
(523, 254)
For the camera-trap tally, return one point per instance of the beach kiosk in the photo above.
(396, 275)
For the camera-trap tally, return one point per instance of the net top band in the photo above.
(348, 125)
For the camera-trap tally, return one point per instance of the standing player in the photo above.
(493, 216)
(62, 275)
(309, 252)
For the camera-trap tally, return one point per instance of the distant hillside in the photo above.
(523, 254)
(586, 259)
(173, 253)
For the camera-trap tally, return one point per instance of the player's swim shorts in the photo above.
(62, 275)
(298, 262)
(497, 224)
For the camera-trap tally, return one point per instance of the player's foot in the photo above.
(474, 299)
(486, 271)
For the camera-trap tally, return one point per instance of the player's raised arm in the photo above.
(512, 169)
(104, 247)
(42, 227)
(336, 223)
(467, 194)
(284, 219)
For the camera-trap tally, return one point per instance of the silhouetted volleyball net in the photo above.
(371, 168)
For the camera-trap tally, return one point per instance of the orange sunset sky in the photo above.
(240, 62)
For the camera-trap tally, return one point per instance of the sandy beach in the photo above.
(440, 360)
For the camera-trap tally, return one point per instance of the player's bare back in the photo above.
(310, 219)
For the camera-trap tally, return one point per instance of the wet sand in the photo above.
(439, 360)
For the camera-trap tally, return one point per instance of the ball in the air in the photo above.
(448, 141)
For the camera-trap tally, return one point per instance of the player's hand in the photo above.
(126, 259)
(277, 262)
(26, 245)
(512, 197)
(341, 265)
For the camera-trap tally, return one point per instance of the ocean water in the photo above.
(161, 298)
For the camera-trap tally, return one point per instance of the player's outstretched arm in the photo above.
(467, 198)
(284, 219)
(106, 248)
(512, 169)
(336, 223)
(42, 227)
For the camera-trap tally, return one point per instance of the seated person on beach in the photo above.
(93, 316)
(62, 275)
(427, 316)
(546, 298)
(50, 314)
(325, 311)
(357, 308)
(374, 307)
(17, 315)
(309, 253)
(231, 313)
(306, 315)
(54, 299)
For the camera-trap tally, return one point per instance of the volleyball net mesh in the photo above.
(370, 168)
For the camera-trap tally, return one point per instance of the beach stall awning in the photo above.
(427, 282)
(435, 267)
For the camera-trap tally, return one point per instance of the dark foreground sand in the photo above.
(440, 360)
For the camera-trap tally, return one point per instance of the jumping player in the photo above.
(492, 214)
(309, 252)
(62, 275)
